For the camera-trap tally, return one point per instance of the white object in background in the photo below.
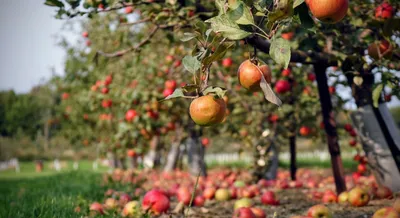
(76, 165)
(17, 169)
(95, 165)
(57, 165)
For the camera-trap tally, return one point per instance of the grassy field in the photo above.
(56, 194)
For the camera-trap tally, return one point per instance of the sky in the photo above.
(28, 47)
(29, 50)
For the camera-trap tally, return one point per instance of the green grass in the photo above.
(49, 195)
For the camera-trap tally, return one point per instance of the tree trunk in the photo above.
(46, 136)
(153, 158)
(377, 131)
(113, 160)
(330, 127)
(195, 151)
(272, 168)
(293, 167)
(173, 157)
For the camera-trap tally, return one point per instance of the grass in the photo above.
(56, 194)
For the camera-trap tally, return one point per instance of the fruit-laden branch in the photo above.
(297, 56)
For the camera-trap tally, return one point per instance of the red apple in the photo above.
(328, 11)
(183, 194)
(243, 212)
(167, 92)
(268, 198)
(227, 62)
(329, 197)
(282, 86)
(85, 34)
(358, 197)
(128, 10)
(108, 80)
(65, 95)
(319, 211)
(258, 212)
(199, 201)
(104, 90)
(384, 11)
(361, 168)
(96, 206)
(305, 130)
(348, 127)
(288, 36)
(311, 77)
(332, 89)
(130, 115)
(383, 192)
(106, 103)
(156, 202)
(352, 142)
(286, 72)
(209, 193)
(111, 203)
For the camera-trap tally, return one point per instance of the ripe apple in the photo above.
(386, 212)
(130, 115)
(222, 194)
(304, 130)
(384, 11)
(227, 62)
(332, 89)
(286, 72)
(273, 118)
(268, 198)
(328, 11)
(282, 86)
(156, 202)
(85, 34)
(352, 142)
(183, 194)
(329, 197)
(96, 206)
(105, 90)
(177, 63)
(65, 95)
(167, 92)
(244, 212)
(205, 141)
(199, 201)
(380, 49)
(319, 211)
(243, 202)
(209, 193)
(128, 10)
(311, 77)
(131, 153)
(249, 75)
(124, 198)
(131, 209)
(383, 192)
(388, 97)
(288, 35)
(358, 197)
(88, 43)
(343, 197)
(170, 84)
(258, 212)
(108, 80)
(169, 58)
(106, 103)
(348, 127)
(361, 168)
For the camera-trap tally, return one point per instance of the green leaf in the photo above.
(269, 94)
(219, 53)
(280, 51)
(220, 92)
(191, 64)
(54, 3)
(220, 4)
(189, 88)
(228, 28)
(178, 93)
(188, 36)
(297, 3)
(376, 94)
(283, 10)
(306, 20)
(241, 14)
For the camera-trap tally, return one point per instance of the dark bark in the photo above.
(330, 126)
(196, 151)
(293, 167)
(153, 158)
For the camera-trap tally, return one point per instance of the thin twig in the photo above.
(133, 48)
(193, 193)
(136, 22)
